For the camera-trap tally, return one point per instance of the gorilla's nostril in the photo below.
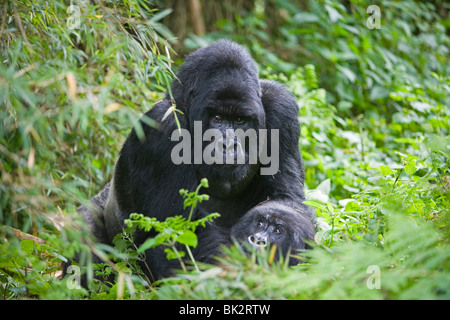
(257, 241)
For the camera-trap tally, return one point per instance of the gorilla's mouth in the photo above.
(227, 180)
(231, 154)
(257, 241)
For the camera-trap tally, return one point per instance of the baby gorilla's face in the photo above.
(265, 229)
(273, 223)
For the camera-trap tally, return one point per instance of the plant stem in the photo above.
(396, 179)
(179, 259)
(332, 229)
(192, 258)
(195, 203)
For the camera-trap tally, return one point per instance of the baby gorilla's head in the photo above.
(275, 223)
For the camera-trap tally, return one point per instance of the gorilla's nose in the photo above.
(228, 145)
(231, 150)
(258, 240)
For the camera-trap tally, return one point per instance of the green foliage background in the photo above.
(374, 108)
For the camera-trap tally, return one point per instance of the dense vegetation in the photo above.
(374, 107)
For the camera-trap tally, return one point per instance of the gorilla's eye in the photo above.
(217, 118)
(278, 230)
(260, 223)
(239, 120)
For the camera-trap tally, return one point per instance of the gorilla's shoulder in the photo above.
(278, 102)
(100, 198)
(157, 112)
(275, 91)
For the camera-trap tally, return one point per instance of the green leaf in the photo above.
(322, 191)
(123, 267)
(305, 17)
(385, 170)
(172, 255)
(349, 74)
(168, 111)
(204, 183)
(149, 243)
(410, 167)
(27, 246)
(333, 13)
(330, 207)
(160, 15)
(315, 204)
(378, 92)
(188, 238)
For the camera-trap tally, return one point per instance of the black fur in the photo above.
(219, 79)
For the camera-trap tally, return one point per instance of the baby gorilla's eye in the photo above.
(260, 223)
(278, 230)
(217, 117)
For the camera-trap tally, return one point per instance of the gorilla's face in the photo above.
(231, 115)
(273, 223)
(266, 229)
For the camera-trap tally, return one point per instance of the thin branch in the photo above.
(20, 25)
(5, 11)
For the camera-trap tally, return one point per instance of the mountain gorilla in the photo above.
(218, 88)
(267, 224)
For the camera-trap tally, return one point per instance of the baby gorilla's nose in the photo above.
(258, 240)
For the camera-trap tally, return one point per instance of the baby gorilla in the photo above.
(270, 223)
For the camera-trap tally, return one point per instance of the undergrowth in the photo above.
(374, 139)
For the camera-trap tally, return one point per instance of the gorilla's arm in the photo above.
(282, 113)
(92, 214)
(145, 179)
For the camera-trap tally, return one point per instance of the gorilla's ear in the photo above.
(308, 238)
(305, 233)
(183, 88)
(298, 241)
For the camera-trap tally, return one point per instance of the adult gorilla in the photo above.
(219, 86)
